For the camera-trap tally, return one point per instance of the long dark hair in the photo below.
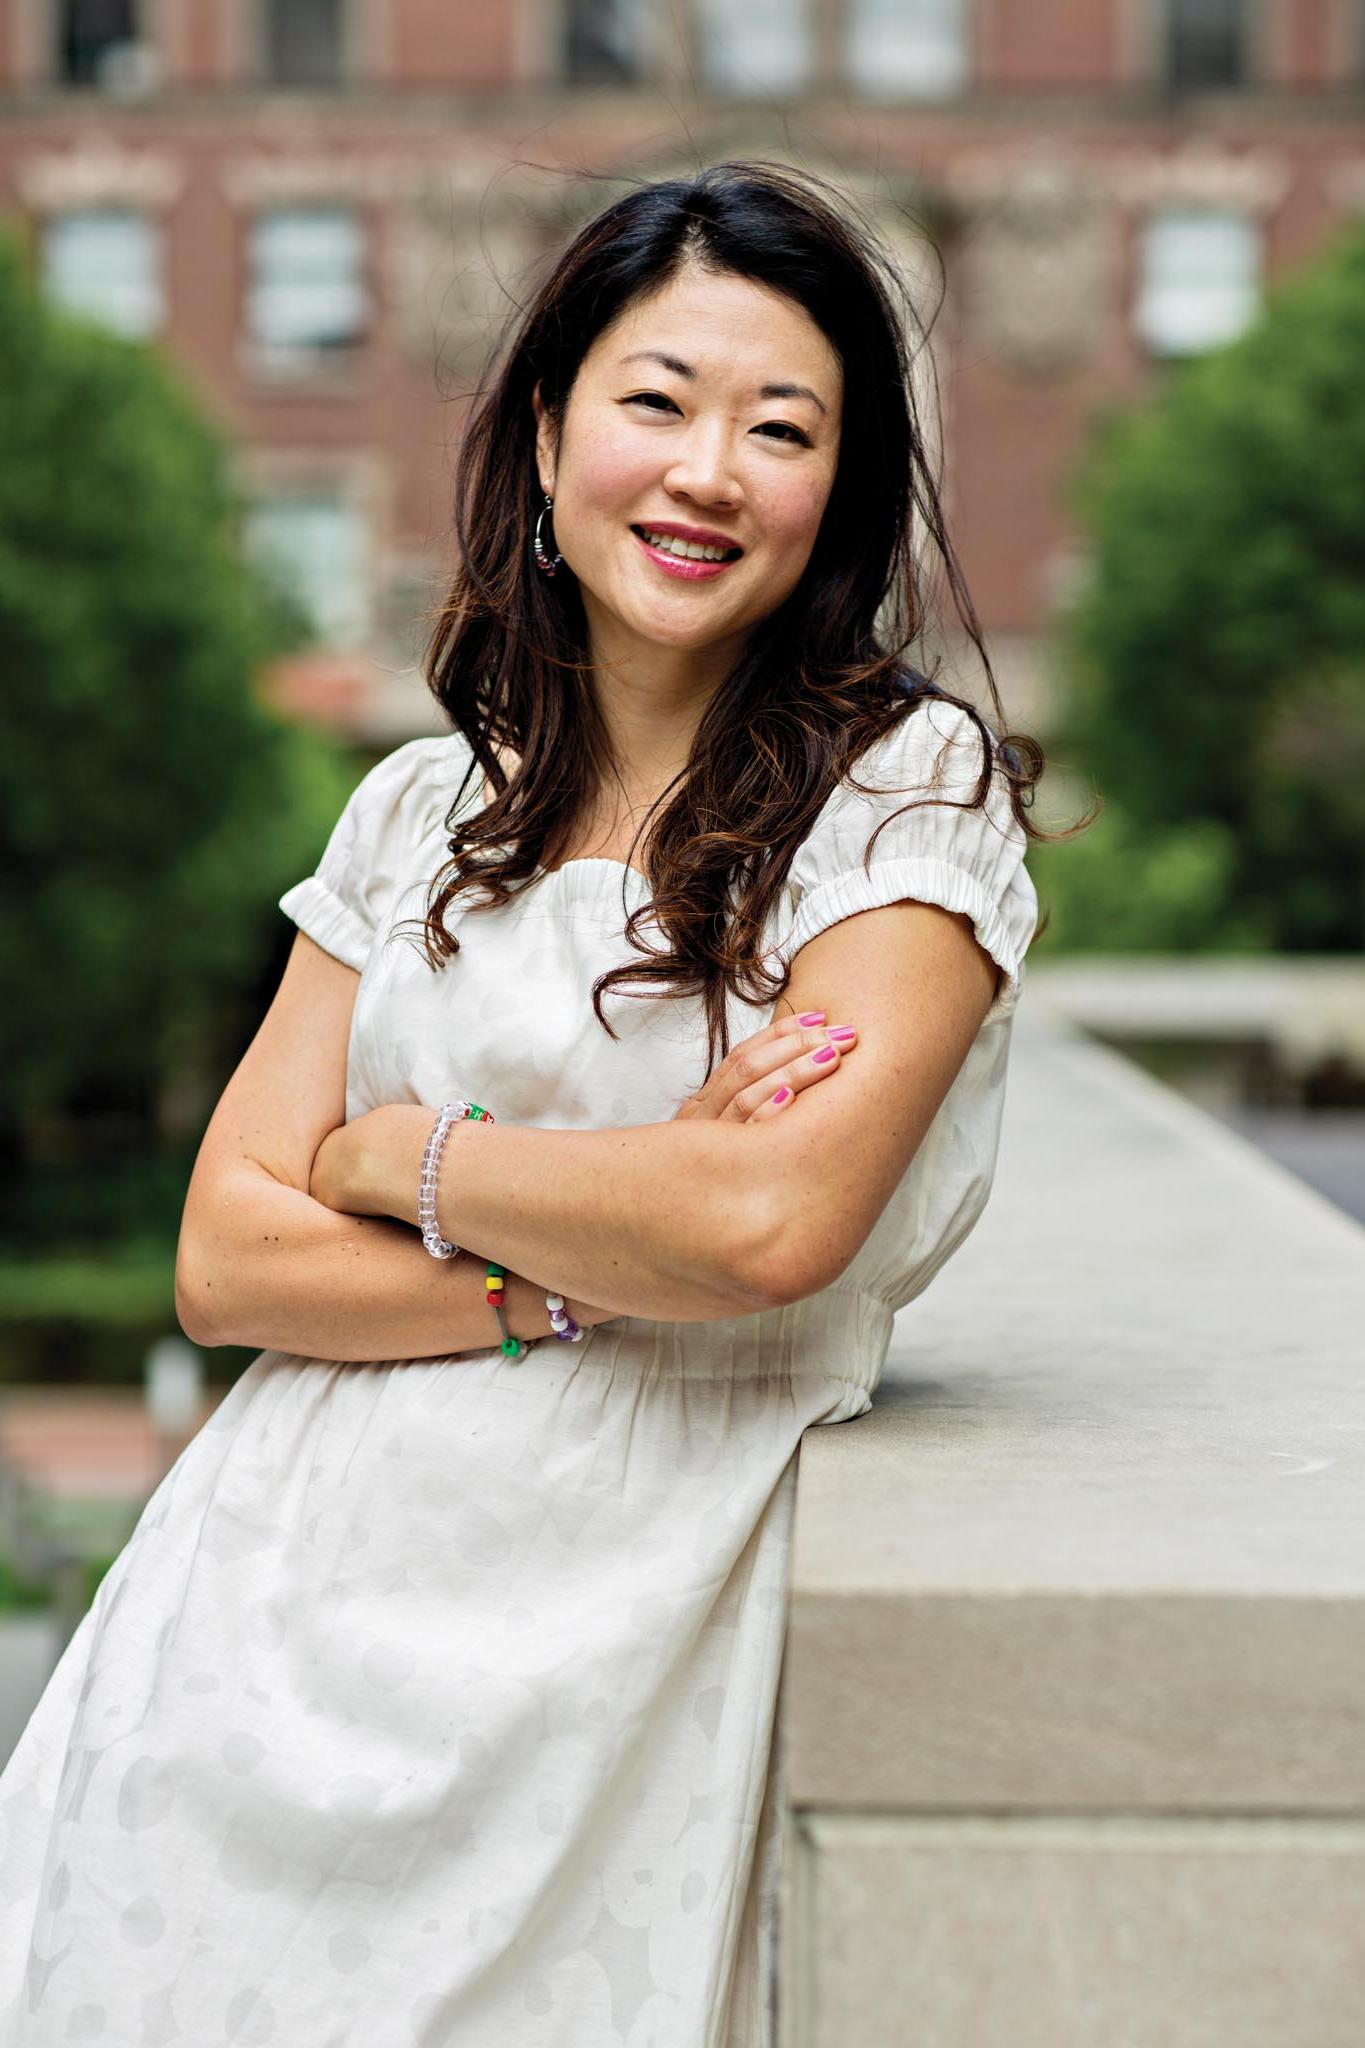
(820, 680)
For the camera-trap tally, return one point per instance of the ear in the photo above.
(546, 440)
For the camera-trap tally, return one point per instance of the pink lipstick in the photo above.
(690, 568)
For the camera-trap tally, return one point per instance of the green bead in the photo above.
(511, 1346)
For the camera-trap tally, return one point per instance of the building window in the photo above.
(604, 41)
(1200, 279)
(314, 544)
(1205, 42)
(759, 50)
(305, 42)
(105, 264)
(92, 37)
(307, 298)
(908, 49)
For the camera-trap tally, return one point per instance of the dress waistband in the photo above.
(843, 1333)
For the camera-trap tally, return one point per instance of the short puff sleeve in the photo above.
(965, 859)
(376, 846)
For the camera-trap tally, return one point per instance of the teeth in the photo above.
(690, 550)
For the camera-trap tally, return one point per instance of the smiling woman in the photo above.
(431, 1699)
(619, 462)
(732, 520)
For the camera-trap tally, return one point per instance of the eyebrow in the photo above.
(681, 369)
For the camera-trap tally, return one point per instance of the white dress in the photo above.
(430, 1703)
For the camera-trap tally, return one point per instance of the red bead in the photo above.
(495, 1298)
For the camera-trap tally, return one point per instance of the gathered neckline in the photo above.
(585, 860)
(596, 860)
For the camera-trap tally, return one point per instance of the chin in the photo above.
(694, 638)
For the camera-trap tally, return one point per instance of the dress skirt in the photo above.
(429, 1705)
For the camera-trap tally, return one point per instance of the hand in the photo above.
(371, 1165)
(744, 1085)
(337, 1177)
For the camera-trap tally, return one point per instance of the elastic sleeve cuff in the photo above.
(328, 921)
(921, 880)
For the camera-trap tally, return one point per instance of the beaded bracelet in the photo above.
(449, 1113)
(561, 1322)
(511, 1347)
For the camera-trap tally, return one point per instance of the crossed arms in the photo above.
(293, 1245)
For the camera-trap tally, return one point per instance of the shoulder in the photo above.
(934, 742)
(928, 766)
(408, 793)
(910, 821)
(380, 843)
(430, 765)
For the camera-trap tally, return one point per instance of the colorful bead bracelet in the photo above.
(561, 1322)
(511, 1347)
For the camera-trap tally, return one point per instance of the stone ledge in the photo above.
(1031, 1933)
(1101, 1540)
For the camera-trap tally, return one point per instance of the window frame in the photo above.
(1249, 41)
(150, 223)
(1148, 290)
(351, 55)
(279, 364)
(902, 94)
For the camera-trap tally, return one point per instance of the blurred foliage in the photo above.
(152, 810)
(90, 1318)
(123, 1202)
(132, 1288)
(1125, 888)
(18, 1593)
(152, 807)
(1214, 660)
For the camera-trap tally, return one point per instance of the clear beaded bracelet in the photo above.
(448, 1114)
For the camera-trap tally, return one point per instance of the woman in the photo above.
(430, 1703)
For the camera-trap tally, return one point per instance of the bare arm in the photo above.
(261, 1262)
(274, 1255)
(689, 1220)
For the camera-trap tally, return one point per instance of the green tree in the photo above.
(1214, 661)
(152, 807)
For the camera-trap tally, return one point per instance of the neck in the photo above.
(652, 699)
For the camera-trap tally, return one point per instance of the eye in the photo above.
(786, 430)
(653, 399)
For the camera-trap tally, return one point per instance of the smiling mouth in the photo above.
(685, 550)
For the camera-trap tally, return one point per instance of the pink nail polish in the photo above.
(843, 1032)
(823, 1057)
(812, 1017)
(782, 1095)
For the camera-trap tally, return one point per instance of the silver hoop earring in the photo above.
(546, 563)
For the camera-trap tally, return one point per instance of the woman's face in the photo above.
(708, 413)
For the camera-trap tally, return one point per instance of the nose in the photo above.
(703, 467)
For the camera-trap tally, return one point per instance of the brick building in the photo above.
(319, 206)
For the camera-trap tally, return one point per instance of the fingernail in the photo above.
(824, 1056)
(812, 1017)
(843, 1031)
(782, 1095)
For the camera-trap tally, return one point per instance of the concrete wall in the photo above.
(1073, 1710)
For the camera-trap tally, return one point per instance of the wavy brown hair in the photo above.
(819, 681)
